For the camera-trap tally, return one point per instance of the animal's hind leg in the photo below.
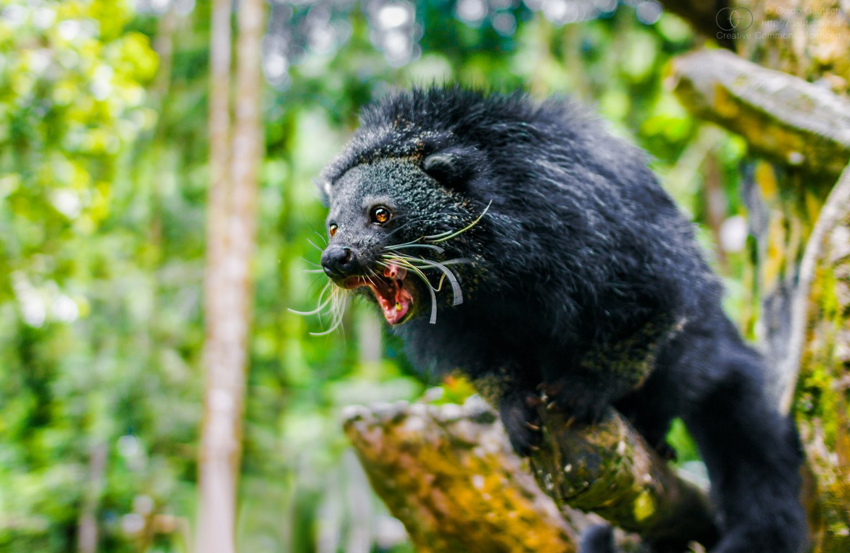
(751, 451)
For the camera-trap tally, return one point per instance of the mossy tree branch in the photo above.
(610, 470)
(807, 39)
(821, 398)
(806, 127)
(782, 117)
(449, 474)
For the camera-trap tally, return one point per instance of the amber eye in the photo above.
(380, 214)
(332, 230)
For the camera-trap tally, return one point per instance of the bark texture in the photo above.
(805, 130)
(449, 474)
(610, 470)
(822, 399)
(782, 117)
(808, 39)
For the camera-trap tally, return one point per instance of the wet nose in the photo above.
(339, 261)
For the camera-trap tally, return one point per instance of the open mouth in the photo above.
(395, 300)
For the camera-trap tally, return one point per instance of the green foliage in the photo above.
(72, 99)
(71, 96)
(102, 202)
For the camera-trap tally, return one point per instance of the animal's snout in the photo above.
(340, 261)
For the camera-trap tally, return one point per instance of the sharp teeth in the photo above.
(398, 306)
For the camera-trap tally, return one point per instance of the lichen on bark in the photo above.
(610, 470)
(449, 474)
(783, 118)
(821, 399)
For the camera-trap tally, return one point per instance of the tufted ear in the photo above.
(323, 188)
(453, 166)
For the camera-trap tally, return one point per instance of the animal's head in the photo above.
(396, 230)
(402, 226)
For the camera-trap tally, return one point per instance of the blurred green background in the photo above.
(103, 187)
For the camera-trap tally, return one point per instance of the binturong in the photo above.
(518, 241)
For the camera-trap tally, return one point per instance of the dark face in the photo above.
(390, 227)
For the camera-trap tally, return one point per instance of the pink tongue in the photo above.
(395, 312)
(395, 309)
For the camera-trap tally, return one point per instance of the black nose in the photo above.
(338, 261)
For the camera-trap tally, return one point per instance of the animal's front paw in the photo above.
(518, 412)
(581, 402)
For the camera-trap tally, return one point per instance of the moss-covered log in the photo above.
(783, 118)
(449, 474)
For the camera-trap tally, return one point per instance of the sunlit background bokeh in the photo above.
(103, 188)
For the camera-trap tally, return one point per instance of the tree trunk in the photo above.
(808, 39)
(228, 289)
(822, 398)
(87, 531)
(790, 121)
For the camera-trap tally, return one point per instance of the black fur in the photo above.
(598, 538)
(585, 282)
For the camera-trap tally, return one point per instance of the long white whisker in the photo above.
(325, 240)
(313, 312)
(437, 249)
(442, 237)
(339, 301)
(457, 293)
(320, 303)
(313, 263)
(314, 245)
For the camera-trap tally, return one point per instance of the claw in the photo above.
(533, 448)
(531, 426)
(533, 401)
